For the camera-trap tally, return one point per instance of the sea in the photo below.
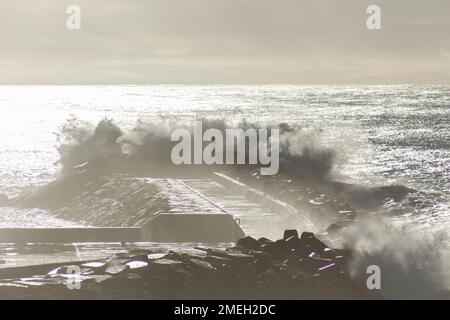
(386, 134)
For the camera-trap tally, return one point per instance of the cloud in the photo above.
(222, 41)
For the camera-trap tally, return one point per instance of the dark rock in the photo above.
(218, 262)
(291, 261)
(286, 272)
(139, 253)
(290, 233)
(303, 251)
(219, 252)
(269, 277)
(304, 287)
(203, 265)
(303, 266)
(246, 275)
(308, 239)
(306, 235)
(290, 268)
(282, 246)
(240, 257)
(330, 274)
(263, 240)
(311, 266)
(328, 253)
(277, 248)
(249, 243)
(318, 264)
(261, 264)
(269, 248)
(294, 243)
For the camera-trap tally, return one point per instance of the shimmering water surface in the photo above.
(382, 134)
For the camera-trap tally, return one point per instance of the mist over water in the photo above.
(383, 134)
(300, 149)
(413, 264)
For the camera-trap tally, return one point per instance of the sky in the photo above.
(225, 42)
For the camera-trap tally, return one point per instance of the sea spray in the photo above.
(213, 147)
(80, 141)
(411, 263)
(301, 151)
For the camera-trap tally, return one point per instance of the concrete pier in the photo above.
(170, 227)
(68, 235)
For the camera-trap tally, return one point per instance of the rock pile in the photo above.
(295, 267)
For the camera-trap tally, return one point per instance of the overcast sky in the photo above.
(224, 41)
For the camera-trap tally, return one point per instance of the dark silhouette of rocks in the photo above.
(290, 233)
(293, 268)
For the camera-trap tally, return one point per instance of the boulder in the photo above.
(308, 239)
(261, 264)
(269, 248)
(294, 243)
(249, 243)
(277, 248)
(306, 235)
(218, 262)
(290, 233)
(269, 277)
(276, 270)
(263, 240)
(202, 265)
(328, 253)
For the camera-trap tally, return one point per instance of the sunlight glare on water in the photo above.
(382, 134)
